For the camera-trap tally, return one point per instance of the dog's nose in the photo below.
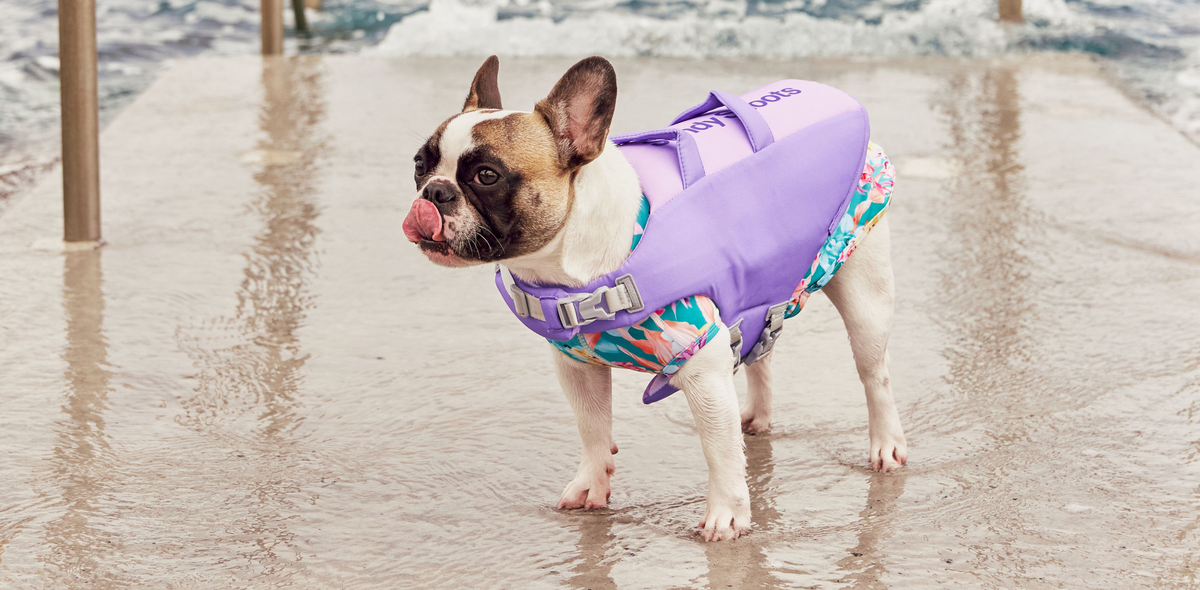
(440, 193)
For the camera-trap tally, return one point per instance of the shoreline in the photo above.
(24, 165)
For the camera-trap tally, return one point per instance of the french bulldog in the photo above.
(546, 193)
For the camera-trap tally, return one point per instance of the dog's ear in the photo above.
(580, 109)
(485, 91)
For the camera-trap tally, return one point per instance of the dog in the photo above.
(548, 194)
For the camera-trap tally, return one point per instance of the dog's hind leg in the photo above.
(589, 389)
(862, 292)
(756, 414)
(707, 382)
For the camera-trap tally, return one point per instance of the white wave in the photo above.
(451, 27)
(720, 28)
(223, 14)
(944, 27)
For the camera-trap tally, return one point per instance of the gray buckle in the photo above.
(519, 302)
(566, 310)
(735, 344)
(588, 304)
(775, 315)
(770, 333)
(589, 308)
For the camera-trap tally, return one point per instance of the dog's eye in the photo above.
(420, 162)
(486, 176)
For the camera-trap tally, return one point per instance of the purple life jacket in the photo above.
(743, 193)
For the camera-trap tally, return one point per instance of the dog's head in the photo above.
(495, 184)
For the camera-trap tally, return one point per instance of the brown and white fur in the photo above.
(540, 192)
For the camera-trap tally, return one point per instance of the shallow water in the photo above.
(258, 383)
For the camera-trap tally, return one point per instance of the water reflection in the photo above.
(261, 371)
(82, 460)
(248, 392)
(865, 564)
(593, 571)
(984, 307)
(985, 267)
(744, 563)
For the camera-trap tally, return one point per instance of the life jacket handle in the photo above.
(691, 167)
(757, 129)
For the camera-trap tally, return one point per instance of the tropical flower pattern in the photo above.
(659, 344)
(663, 342)
(866, 208)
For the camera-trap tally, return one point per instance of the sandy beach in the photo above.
(258, 383)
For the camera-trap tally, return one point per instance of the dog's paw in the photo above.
(755, 422)
(590, 489)
(726, 520)
(586, 493)
(888, 450)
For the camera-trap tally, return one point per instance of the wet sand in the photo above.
(257, 383)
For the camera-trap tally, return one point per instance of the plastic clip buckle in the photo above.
(623, 297)
(766, 341)
(735, 344)
(588, 309)
(566, 310)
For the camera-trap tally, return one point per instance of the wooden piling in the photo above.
(80, 120)
(1010, 11)
(271, 27)
(301, 20)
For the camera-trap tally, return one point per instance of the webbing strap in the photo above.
(579, 309)
(527, 305)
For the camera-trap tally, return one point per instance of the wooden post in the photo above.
(80, 120)
(1010, 11)
(301, 20)
(272, 26)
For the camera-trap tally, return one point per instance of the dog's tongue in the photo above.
(423, 222)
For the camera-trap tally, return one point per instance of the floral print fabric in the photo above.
(666, 340)
(866, 208)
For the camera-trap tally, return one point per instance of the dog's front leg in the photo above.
(707, 382)
(589, 389)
